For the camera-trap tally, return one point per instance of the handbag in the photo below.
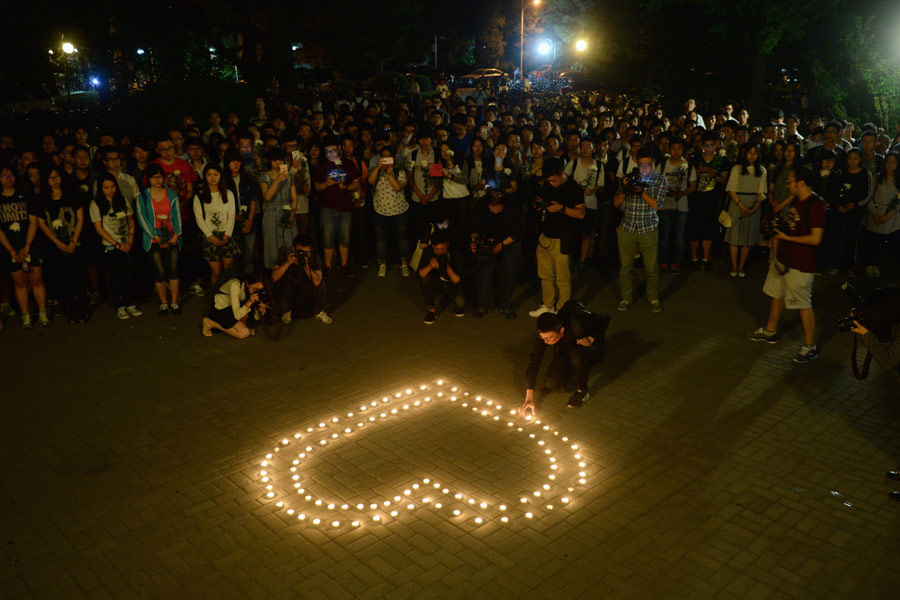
(725, 219)
(417, 256)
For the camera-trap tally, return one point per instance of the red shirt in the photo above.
(178, 175)
(802, 217)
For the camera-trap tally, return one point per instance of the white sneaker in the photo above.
(540, 310)
(134, 311)
(382, 270)
(404, 270)
(323, 316)
(122, 313)
(197, 289)
(286, 318)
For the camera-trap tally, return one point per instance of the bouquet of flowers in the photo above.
(60, 231)
(217, 226)
(285, 220)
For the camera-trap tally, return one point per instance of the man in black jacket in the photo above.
(577, 339)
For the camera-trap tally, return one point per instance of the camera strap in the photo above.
(854, 365)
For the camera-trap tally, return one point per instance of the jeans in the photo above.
(335, 227)
(432, 284)
(300, 298)
(672, 224)
(573, 363)
(66, 275)
(163, 262)
(121, 277)
(359, 234)
(391, 228)
(648, 244)
(505, 260)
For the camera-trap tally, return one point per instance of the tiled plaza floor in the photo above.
(714, 468)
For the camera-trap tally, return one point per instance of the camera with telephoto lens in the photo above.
(541, 205)
(771, 229)
(301, 257)
(262, 297)
(845, 324)
(483, 245)
(632, 184)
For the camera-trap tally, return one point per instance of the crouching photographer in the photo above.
(439, 273)
(876, 320)
(496, 244)
(235, 303)
(577, 337)
(298, 284)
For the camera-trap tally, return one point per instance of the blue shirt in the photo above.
(640, 218)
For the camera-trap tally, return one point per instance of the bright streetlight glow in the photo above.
(544, 48)
(95, 81)
(140, 51)
(68, 48)
(581, 45)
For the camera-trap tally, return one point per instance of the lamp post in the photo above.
(68, 48)
(522, 42)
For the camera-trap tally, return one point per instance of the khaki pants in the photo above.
(648, 244)
(553, 269)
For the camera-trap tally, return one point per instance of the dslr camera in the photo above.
(845, 323)
(263, 297)
(632, 184)
(301, 257)
(483, 245)
(771, 229)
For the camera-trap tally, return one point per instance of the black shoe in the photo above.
(481, 312)
(579, 397)
(430, 317)
(894, 496)
(895, 475)
(508, 313)
(163, 310)
(348, 271)
(176, 308)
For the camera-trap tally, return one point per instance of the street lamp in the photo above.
(581, 45)
(522, 41)
(68, 48)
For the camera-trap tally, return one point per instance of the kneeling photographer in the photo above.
(577, 337)
(235, 303)
(298, 283)
(877, 323)
(496, 243)
(439, 273)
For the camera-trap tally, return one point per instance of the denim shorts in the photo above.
(335, 224)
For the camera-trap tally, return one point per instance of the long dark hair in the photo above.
(742, 159)
(205, 193)
(782, 164)
(230, 156)
(118, 201)
(882, 175)
(45, 187)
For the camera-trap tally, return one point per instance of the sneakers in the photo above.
(663, 267)
(6, 310)
(481, 312)
(134, 311)
(763, 335)
(323, 316)
(623, 305)
(197, 289)
(382, 270)
(95, 298)
(430, 317)
(347, 271)
(460, 312)
(26, 321)
(579, 397)
(404, 270)
(43, 319)
(704, 265)
(176, 308)
(656, 306)
(163, 310)
(540, 310)
(286, 318)
(121, 313)
(806, 354)
(508, 313)
(674, 269)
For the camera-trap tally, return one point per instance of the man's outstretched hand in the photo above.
(528, 404)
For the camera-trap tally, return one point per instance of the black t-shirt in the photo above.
(557, 225)
(443, 261)
(62, 215)
(498, 226)
(14, 222)
(296, 273)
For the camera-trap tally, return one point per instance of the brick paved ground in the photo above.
(715, 468)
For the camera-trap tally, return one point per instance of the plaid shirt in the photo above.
(640, 218)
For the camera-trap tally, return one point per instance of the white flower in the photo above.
(15, 226)
(450, 152)
(162, 217)
(337, 162)
(507, 171)
(847, 186)
(285, 207)
(722, 152)
(422, 161)
(121, 214)
(56, 224)
(176, 172)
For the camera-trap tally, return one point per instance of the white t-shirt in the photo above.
(586, 177)
(217, 216)
(114, 223)
(679, 177)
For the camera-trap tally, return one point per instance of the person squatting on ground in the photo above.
(298, 282)
(439, 272)
(577, 337)
(232, 305)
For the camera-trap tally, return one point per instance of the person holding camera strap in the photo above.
(791, 272)
(643, 192)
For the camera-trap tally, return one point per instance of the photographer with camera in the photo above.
(236, 300)
(560, 202)
(496, 243)
(577, 337)
(298, 282)
(643, 192)
(792, 269)
(439, 273)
